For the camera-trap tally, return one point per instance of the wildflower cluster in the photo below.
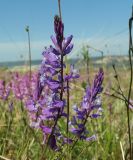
(46, 94)
(50, 104)
(22, 87)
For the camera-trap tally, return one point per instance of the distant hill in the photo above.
(96, 61)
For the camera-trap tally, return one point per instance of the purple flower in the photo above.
(74, 74)
(53, 84)
(31, 106)
(51, 103)
(90, 107)
(46, 129)
(92, 138)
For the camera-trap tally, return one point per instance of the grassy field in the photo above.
(19, 141)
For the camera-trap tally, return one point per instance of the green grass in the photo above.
(19, 142)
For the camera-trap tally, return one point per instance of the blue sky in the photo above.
(102, 24)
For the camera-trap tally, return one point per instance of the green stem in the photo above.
(130, 85)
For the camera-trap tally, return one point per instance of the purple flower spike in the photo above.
(59, 29)
(90, 107)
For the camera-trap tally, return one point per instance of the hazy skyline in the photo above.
(101, 24)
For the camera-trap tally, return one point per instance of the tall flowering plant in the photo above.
(51, 89)
(90, 108)
(49, 105)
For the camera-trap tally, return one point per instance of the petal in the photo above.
(68, 49)
(92, 138)
(53, 84)
(46, 129)
(55, 43)
(67, 41)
